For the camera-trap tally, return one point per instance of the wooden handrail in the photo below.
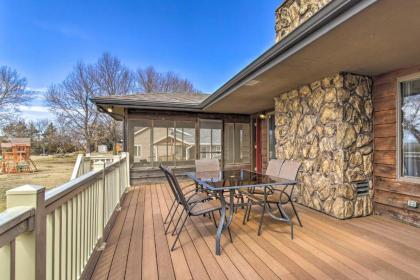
(63, 190)
(15, 221)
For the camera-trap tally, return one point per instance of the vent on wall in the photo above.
(362, 188)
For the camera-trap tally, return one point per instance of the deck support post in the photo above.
(30, 252)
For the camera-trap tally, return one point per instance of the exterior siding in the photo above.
(391, 195)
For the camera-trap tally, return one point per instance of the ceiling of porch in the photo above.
(381, 38)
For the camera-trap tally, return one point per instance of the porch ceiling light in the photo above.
(252, 83)
(109, 109)
(262, 116)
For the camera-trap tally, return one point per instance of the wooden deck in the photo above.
(325, 248)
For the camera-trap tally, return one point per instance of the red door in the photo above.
(258, 155)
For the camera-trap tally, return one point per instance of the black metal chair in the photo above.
(193, 195)
(278, 196)
(198, 208)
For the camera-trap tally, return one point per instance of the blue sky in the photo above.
(205, 41)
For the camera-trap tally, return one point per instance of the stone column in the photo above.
(328, 126)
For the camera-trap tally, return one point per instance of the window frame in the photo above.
(398, 148)
(138, 147)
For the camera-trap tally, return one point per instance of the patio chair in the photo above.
(207, 165)
(273, 170)
(274, 167)
(276, 195)
(198, 208)
(193, 195)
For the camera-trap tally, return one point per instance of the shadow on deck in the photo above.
(325, 248)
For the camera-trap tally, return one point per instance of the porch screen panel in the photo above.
(163, 142)
(185, 148)
(229, 143)
(140, 149)
(210, 139)
(237, 143)
(243, 143)
(410, 129)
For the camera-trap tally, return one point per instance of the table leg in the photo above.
(231, 207)
(221, 223)
(262, 211)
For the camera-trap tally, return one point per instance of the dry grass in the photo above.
(52, 171)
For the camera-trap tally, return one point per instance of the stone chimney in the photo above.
(292, 13)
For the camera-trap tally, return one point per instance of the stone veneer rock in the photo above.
(328, 126)
(293, 12)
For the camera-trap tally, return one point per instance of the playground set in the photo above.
(16, 156)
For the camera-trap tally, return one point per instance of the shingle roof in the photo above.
(155, 98)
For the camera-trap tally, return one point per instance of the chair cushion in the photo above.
(206, 207)
(195, 197)
(271, 198)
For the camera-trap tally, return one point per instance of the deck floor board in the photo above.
(325, 248)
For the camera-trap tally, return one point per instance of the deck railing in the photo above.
(59, 234)
(81, 167)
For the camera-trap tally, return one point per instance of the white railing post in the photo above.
(127, 167)
(101, 210)
(30, 260)
(119, 183)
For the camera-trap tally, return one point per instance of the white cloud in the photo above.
(30, 113)
(34, 109)
(38, 90)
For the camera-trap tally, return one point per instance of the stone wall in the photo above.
(328, 126)
(293, 12)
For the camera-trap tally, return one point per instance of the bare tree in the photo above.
(112, 78)
(411, 116)
(12, 92)
(149, 80)
(70, 102)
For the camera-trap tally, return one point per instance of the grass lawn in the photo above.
(52, 171)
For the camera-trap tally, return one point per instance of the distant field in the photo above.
(52, 171)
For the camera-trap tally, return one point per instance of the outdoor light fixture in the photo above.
(109, 109)
(262, 116)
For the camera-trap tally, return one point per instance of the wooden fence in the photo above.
(59, 234)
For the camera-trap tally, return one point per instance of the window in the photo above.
(409, 128)
(137, 151)
(141, 137)
(237, 143)
(184, 133)
(210, 139)
(162, 141)
(271, 137)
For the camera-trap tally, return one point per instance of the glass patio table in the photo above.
(232, 180)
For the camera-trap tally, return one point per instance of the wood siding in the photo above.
(391, 195)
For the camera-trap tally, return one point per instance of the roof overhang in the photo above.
(115, 107)
(366, 37)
